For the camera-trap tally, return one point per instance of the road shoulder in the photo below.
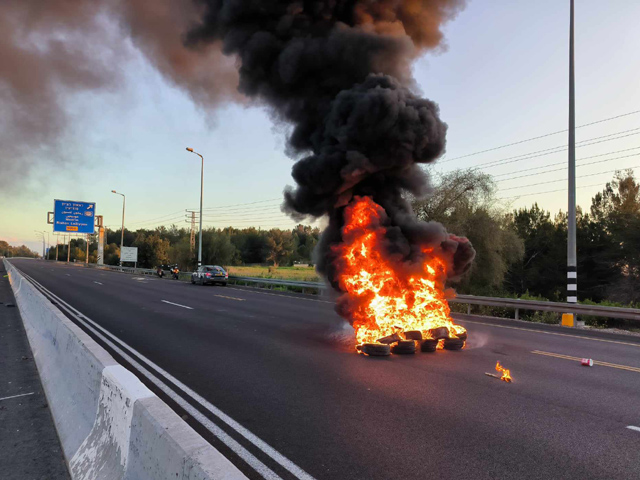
(29, 444)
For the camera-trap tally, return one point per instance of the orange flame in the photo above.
(506, 374)
(382, 296)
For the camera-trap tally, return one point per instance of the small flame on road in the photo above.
(506, 374)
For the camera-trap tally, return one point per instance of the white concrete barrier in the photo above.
(110, 425)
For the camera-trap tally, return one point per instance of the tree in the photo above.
(464, 202)
(7, 250)
(541, 270)
(279, 244)
(616, 213)
(152, 250)
(217, 247)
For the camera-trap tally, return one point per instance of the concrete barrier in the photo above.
(110, 425)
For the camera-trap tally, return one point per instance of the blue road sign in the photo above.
(76, 217)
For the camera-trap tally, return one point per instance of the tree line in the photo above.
(524, 251)
(519, 251)
(7, 250)
(227, 246)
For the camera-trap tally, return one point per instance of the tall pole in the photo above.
(69, 248)
(572, 264)
(201, 195)
(43, 249)
(122, 230)
(57, 242)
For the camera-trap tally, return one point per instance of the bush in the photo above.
(605, 322)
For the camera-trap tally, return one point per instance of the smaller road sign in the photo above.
(129, 254)
(76, 217)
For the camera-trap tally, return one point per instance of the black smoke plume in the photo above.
(338, 71)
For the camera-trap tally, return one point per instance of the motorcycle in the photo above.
(175, 272)
(159, 272)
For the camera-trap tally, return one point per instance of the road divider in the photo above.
(111, 426)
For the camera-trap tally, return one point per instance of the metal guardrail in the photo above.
(277, 282)
(558, 307)
(516, 304)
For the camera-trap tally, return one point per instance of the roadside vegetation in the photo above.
(9, 251)
(521, 253)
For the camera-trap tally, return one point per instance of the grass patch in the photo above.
(302, 274)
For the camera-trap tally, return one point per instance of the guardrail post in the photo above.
(468, 309)
(517, 314)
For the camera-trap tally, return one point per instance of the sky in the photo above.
(502, 79)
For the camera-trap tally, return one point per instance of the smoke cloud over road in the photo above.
(50, 50)
(338, 72)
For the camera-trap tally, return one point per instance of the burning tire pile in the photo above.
(408, 342)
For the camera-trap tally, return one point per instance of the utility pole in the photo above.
(43, 249)
(192, 240)
(572, 263)
(201, 194)
(122, 231)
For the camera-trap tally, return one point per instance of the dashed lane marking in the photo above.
(595, 362)
(231, 298)
(631, 427)
(177, 304)
(97, 282)
(16, 396)
(230, 442)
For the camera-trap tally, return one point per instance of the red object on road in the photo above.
(587, 362)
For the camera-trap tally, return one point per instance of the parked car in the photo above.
(210, 274)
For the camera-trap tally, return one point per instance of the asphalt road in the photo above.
(283, 367)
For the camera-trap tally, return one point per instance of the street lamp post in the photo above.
(201, 193)
(122, 230)
(572, 261)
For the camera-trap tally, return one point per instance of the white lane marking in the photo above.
(67, 275)
(177, 304)
(212, 427)
(16, 396)
(97, 282)
(631, 427)
(551, 333)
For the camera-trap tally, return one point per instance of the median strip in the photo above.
(595, 362)
(177, 304)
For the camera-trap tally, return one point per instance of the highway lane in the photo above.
(283, 367)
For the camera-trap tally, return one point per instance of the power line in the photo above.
(240, 204)
(549, 191)
(564, 163)
(539, 137)
(157, 218)
(564, 179)
(558, 149)
(563, 168)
